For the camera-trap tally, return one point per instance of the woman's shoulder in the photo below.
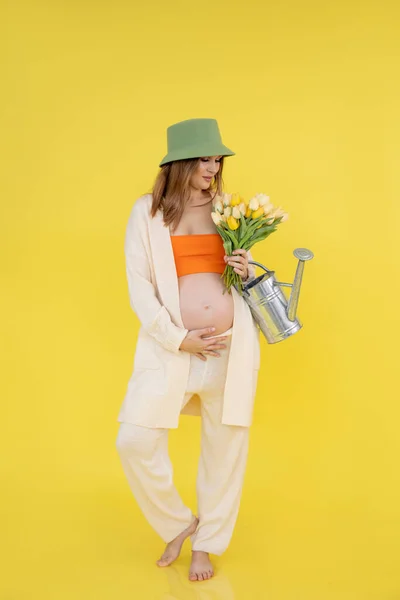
(145, 200)
(142, 205)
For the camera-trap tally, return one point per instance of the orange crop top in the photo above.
(198, 253)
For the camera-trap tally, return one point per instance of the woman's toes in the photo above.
(162, 563)
(165, 560)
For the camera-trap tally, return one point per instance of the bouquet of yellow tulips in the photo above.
(241, 224)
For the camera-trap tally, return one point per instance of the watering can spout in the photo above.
(302, 254)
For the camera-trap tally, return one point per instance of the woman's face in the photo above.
(207, 168)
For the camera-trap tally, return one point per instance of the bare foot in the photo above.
(201, 567)
(173, 548)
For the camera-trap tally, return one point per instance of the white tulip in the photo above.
(285, 217)
(268, 208)
(216, 217)
(226, 199)
(228, 211)
(242, 208)
(236, 212)
(262, 199)
(254, 204)
(279, 212)
(218, 206)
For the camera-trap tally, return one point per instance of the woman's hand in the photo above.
(239, 260)
(194, 343)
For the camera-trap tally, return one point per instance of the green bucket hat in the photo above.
(194, 138)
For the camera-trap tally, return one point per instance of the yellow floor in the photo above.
(81, 536)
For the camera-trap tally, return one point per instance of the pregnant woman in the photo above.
(197, 350)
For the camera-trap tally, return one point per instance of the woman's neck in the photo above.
(199, 199)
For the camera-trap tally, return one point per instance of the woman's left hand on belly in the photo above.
(239, 261)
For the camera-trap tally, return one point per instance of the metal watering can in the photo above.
(273, 314)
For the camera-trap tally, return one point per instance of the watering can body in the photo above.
(273, 313)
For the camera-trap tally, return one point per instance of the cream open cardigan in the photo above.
(158, 382)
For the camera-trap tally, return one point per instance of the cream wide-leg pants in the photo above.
(224, 448)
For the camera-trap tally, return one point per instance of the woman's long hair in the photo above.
(171, 190)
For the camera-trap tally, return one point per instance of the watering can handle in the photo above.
(280, 283)
(254, 262)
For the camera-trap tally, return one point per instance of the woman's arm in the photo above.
(153, 316)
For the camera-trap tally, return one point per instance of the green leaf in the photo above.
(250, 231)
(228, 247)
(242, 227)
(233, 238)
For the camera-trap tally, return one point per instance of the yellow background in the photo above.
(307, 94)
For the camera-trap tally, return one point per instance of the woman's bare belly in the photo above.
(203, 303)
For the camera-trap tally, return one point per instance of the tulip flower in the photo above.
(216, 217)
(279, 212)
(262, 199)
(268, 208)
(235, 201)
(236, 212)
(257, 213)
(218, 206)
(228, 211)
(248, 212)
(242, 208)
(254, 204)
(232, 223)
(226, 199)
